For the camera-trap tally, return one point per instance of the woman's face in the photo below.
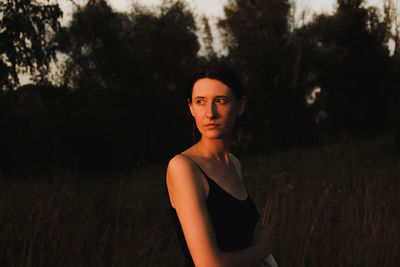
(214, 108)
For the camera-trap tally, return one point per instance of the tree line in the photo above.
(118, 101)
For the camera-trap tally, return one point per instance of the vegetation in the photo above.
(26, 46)
(125, 73)
(82, 161)
(337, 208)
(346, 54)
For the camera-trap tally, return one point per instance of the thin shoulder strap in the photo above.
(195, 164)
(238, 170)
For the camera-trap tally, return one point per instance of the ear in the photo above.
(242, 105)
(190, 106)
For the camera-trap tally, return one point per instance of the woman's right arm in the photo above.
(187, 196)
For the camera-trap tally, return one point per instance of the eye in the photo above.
(199, 101)
(221, 100)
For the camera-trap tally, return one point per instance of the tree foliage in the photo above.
(127, 70)
(26, 46)
(208, 40)
(107, 49)
(346, 54)
(355, 70)
(256, 33)
(122, 100)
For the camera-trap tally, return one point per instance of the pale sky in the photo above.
(215, 7)
(212, 8)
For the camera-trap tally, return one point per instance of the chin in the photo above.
(214, 136)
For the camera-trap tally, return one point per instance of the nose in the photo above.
(211, 110)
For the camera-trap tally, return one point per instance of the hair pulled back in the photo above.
(218, 71)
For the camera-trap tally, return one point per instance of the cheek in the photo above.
(198, 116)
(197, 113)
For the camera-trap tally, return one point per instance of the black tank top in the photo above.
(234, 220)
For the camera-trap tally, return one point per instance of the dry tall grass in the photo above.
(339, 208)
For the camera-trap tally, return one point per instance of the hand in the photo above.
(268, 262)
(262, 239)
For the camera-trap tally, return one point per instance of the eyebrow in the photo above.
(215, 96)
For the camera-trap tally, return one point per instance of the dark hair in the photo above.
(218, 71)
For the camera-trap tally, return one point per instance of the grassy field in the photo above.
(336, 208)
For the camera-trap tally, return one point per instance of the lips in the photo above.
(211, 125)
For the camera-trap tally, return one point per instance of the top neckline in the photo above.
(226, 192)
(208, 178)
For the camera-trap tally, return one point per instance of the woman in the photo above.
(214, 214)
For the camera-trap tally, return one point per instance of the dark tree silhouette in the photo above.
(127, 71)
(26, 45)
(355, 67)
(346, 54)
(94, 43)
(208, 40)
(256, 33)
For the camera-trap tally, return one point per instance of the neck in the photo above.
(216, 149)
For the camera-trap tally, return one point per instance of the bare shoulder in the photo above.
(180, 166)
(182, 178)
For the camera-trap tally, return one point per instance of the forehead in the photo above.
(210, 87)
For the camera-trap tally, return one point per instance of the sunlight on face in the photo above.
(214, 108)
